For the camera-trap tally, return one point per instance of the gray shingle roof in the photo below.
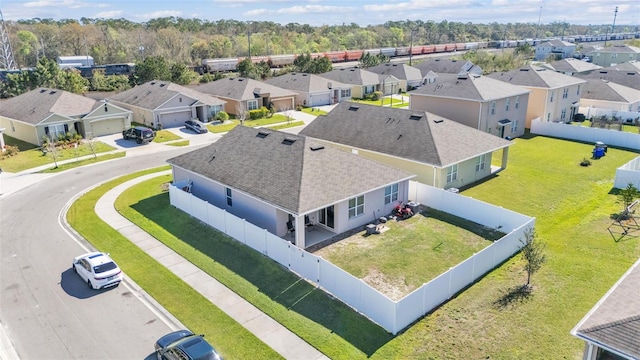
(294, 177)
(304, 82)
(614, 322)
(36, 105)
(626, 78)
(447, 66)
(598, 89)
(153, 94)
(408, 134)
(572, 65)
(242, 89)
(399, 71)
(631, 66)
(535, 76)
(471, 87)
(620, 49)
(353, 76)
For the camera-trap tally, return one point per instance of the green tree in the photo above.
(320, 65)
(245, 68)
(532, 252)
(181, 74)
(27, 48)
(151, 68)
(627, 195)
(71, 80)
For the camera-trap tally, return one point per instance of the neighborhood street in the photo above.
(46, 311)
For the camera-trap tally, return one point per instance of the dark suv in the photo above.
(185, 345)
(140, 133)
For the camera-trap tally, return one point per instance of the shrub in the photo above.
(258, 113)
(585, 162)
(9, 151)
(222, 116)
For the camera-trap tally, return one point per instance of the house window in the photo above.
(55, 131)
(480, 162)
(613, 56)
(563, 114)
(252, 104)
(452, 173)
(369, 89)
(345, 93)
(514, 126)
(553, 93)
(517, 102)
(390, 193)
(493, 107)
(229, 199)
(356, 206)
(13, 126)
(506, 107)
(565, 93)
(578, 92)
(630, 108)
(548, 117)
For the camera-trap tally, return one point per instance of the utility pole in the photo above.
(615, 14)
(538, 29)
(250, 23)
(411, 47)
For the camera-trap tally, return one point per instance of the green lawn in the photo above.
(281, 121)
(625, 127)
(75, 164)
(164, 136)
(313, 111)
(572, 204)
(32, 156)
(429, 243)
(387, 100)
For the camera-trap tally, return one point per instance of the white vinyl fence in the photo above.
(628, 173)
(586, 134)
(391, 315)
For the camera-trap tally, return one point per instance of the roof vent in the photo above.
(415, 117)
(162, 85)
(525, 69)
(354, 108)
(262, 134)
(153, 83)
(304, 74)
(43, 91)
(52, 92)
(288, 141)
(438, 121)
(316, 147)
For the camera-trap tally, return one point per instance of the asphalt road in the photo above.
(46, 310)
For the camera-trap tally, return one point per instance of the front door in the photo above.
(326, 217)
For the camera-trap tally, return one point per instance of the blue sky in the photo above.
(332, 12)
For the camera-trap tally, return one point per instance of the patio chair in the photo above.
(290, 228)
(308, 224)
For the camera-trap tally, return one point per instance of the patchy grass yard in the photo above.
(31, 156)
(281, 121)
(164, 136)
(409, 252)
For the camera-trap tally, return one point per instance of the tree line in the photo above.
(187, 41)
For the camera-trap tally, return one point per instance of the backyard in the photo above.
(573, 206)
(409, 253)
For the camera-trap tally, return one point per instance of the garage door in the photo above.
(107, 127)
(319, 99)
(176, 119)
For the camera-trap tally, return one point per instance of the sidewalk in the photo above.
(279, 338)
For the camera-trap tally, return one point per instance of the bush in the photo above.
(258, 113)
(222, 116)
(585, 162)
(9, 151)
(376, 95)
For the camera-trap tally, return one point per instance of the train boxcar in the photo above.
(119, 69)
(460, 46)
(402, 51)
(220, 65)
(417, 49)
(281, 60)
(429, 49)
(388, 52)
(353, 55)
(336, 56)
(471, 46)
(439, 48)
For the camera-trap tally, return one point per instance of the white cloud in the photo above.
(109, 14)
(160, 14)
(303, 9)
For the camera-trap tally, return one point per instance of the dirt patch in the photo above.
(394, 289)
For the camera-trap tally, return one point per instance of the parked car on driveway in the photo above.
(97, 269)
(185, 345)
(140, 133)
(196, 126)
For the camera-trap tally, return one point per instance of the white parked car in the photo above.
(97, 269)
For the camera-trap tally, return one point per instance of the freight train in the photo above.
(85, 71)
(277, 61)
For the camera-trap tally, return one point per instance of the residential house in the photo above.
(555, 97)
(442, 152)
(363, 82)
(163, 104)
(409, 77)
(433, 66)
(312, 90)
(628, 66)
(605, 98)
(558, 49)
(571, 66)
(477, 101)
(627, 78)
(611, 329)
(277, 181)
(51, 112)
(244, 94)
(613, 55)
